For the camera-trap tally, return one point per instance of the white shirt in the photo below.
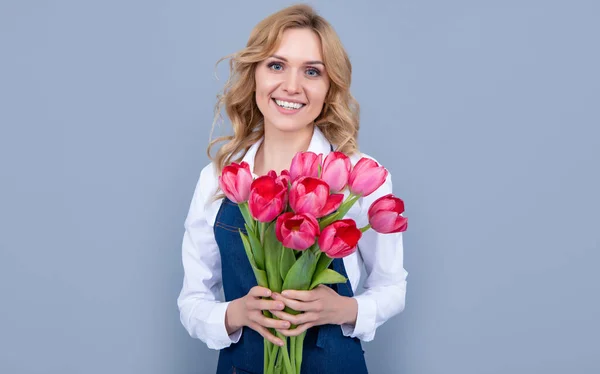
(201, 301)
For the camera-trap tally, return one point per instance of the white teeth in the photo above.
(288, 105)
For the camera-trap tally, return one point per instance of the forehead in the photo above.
(299, 45)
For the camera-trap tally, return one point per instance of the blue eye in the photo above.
(313, 72)
(273, 66)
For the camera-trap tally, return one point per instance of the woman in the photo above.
(288, 92)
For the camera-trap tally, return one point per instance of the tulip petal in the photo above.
(333, 203)
(235, 181)
(279, 224)
(340, 238)
(267, 198)
(299, 240)
(305, 164)
(336, 171)
(308, 195)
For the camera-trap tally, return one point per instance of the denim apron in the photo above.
(326, 349)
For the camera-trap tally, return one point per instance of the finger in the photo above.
(261, 304)
(271, 322)
(296, 319)
(278, 297)
(267, 334)
(302, 306)
(258, 291)
(297, 331)
(300, 295)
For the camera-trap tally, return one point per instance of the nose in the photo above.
(291, 83)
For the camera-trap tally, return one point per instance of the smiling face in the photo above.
(291, 85)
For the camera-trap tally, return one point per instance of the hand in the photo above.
(247, 311)
(321, 306)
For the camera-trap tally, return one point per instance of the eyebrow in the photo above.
(306, 63)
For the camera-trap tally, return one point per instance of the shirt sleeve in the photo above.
(201, 305)
(385, 286)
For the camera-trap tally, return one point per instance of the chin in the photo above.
(289, 126)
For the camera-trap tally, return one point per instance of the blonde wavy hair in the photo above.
(339, 119)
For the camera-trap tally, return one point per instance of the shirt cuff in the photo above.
(236, 335)
(221, 338)
(364, 329)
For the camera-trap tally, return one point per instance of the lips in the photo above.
(289, 101)
(291, 105)
(287, 110)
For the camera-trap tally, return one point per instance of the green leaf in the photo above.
(323, 263)
(247, 248)
(260, 275)
(247, 216)
(327, 276)
(257, 249)
(273, 248)
(300, 274)
(288, 257)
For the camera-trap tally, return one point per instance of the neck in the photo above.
(279, 148)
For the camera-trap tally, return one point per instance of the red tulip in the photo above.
(333, 203)
(268, 197)
(366, 177)
(297, 231)
(384, 215)
(305, 164)
(235, 181)
(336, 170)
(340, 238)
(311, 195)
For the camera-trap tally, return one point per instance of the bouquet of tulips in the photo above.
(295, 227)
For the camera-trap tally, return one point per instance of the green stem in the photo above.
(263, 227)
(286, 356)
(272, 357)
(293, 352)
(266, 354)
(341, 212)
(270, 348)
(298, 352)
(277, 369)
(363, 229)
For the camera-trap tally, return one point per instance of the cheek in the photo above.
(261, 84)
(319, 93)
(265, 83)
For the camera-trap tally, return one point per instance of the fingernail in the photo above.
(280, 343)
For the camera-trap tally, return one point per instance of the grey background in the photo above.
(486, 113)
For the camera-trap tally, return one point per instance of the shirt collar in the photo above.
(318, 144)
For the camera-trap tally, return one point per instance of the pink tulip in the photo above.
(336, 170)
(268, 198)
(305, 164)
(366, 177)
(284, 177)
(297, 231)
(340, 238)
(235, 181)
(311, 195)
(384, 215)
